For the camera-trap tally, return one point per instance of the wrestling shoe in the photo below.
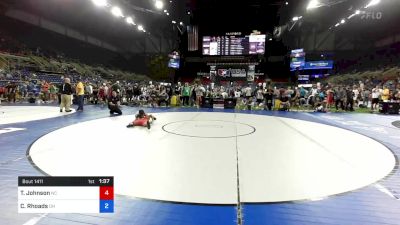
(148, 124)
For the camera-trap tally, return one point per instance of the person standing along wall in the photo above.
(45, 91)
(53, 91)
(23, 89)
(186, 91)
(66, 92)
(11, 90)
(349, 99)
(59, 93)
(88, 92)
(80, 93)
(375, 98)
(269, 96)
(200, 90)
(178, 93)
(193, 96)
(366, 97)
(340, 95)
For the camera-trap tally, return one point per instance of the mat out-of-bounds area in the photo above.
(21, 114)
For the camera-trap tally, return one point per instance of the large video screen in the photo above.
(256, 44)
(297, 59)
(234, 45)
(174, 63)
(174, 60)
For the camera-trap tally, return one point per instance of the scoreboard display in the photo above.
(234, 45)
(65, 194)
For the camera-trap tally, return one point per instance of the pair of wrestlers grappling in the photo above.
(142, 119)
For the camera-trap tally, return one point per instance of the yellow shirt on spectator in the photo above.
(80, 90)
(385, 94)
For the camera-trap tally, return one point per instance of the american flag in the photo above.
(193, 38)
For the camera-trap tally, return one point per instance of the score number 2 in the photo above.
(106, 206)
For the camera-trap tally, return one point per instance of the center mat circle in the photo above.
(209, 129)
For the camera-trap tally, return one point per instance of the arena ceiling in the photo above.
(374, 22)
(214, 16)
(83, 15)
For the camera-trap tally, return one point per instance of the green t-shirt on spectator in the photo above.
(53, 89)
(186, 91)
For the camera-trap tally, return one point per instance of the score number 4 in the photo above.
(106, 193)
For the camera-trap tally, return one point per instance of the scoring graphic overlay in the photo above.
(65, 194)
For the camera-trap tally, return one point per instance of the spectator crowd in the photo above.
(22, 87)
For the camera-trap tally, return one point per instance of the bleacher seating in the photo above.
(375, 77)
(51, 78)
(3, 83)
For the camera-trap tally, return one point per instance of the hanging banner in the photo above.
(223, 73)
(238, 72)
(213, 72)
(317, 65)
(251, 73)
